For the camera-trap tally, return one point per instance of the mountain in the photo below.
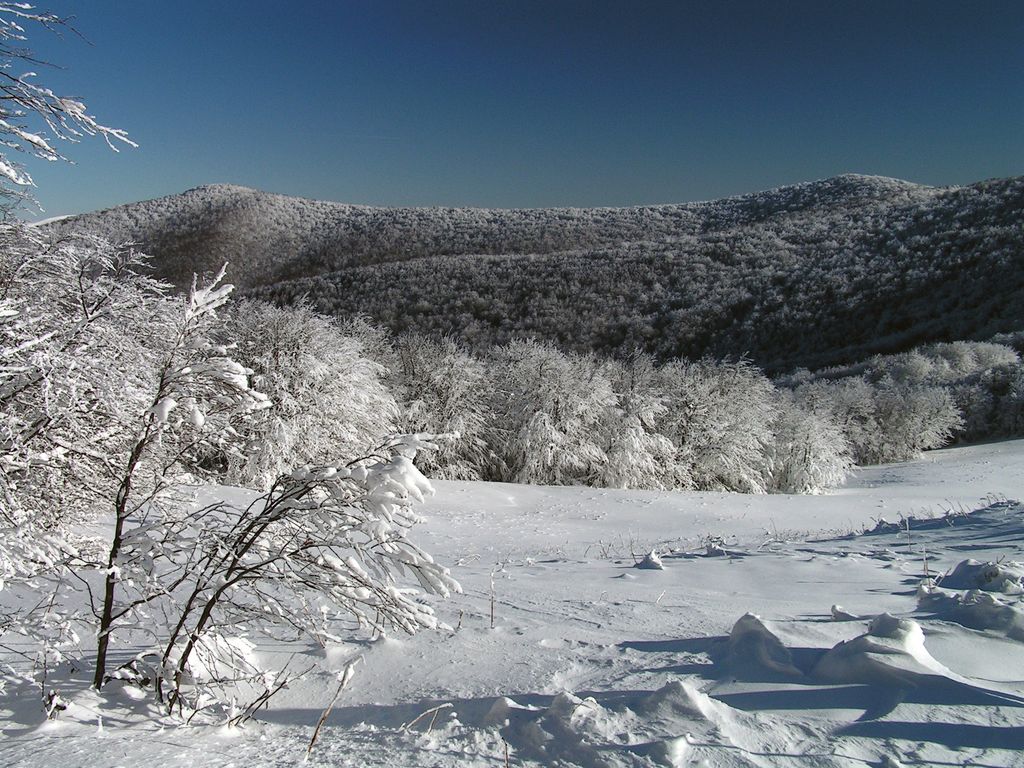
(813, 274)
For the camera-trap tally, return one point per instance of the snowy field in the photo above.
(780, 630)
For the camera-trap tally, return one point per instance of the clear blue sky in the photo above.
(525, 103)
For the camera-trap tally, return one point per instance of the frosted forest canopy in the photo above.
(816, 274)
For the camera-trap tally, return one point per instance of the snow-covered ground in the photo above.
(777, 632)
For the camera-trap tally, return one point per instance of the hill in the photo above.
(813, 274)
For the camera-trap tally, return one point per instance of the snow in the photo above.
(14, 174)
(50, 220)
(161, 410)
(779, 630)
(992, 577)
(651, 562)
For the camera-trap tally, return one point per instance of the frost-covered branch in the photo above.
(196, 378)
(32, 116)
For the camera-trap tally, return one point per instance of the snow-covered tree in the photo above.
(808, 452)
(442, 388)
(195, 395)
(939, 363)
(77, 319)
(43, 403)
(637, 454)
(913, 419)
(330, 400)
(324, 543)
(850, 403)
(548, 406)
(118, 399)
(82, 334)
(719, 419)
(1010, 383)
(885, 422)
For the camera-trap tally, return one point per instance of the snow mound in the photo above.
(680, 697)
(219, 657)
(570, 730)
(754, 651)
(672, 726)
(975, 609)
(841, 614)
(1006, 577)
(891, 652)
(714, 546)
(501, 712)
(651, 562)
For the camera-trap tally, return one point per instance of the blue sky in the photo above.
(533, 103)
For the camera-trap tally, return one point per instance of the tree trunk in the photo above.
(110, 583)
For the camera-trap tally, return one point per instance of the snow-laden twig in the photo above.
(343, 680)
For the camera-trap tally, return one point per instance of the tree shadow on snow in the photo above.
(953, 735)
(683, 645)
(876, 701)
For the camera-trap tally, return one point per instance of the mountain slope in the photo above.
(811, 274)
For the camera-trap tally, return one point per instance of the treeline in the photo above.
(529, 412)
(984, 380)
(268, 237)
(525, 411)
(811, 275)
(812, 287)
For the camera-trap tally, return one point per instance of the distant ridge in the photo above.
(810, 274)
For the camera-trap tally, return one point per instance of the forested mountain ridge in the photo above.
(812, 274)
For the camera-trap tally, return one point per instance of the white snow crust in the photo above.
(735, 652)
